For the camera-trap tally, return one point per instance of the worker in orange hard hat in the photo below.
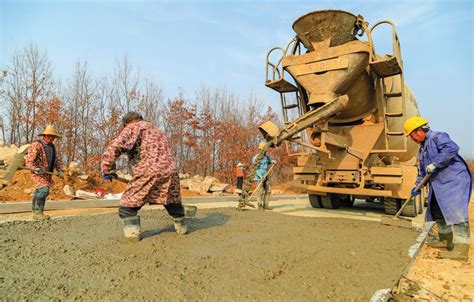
(42, 158)
(240, 174)
(450, 187)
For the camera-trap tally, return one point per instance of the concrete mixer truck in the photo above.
(349, 105)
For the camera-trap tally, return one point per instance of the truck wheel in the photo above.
(315, 200)
(330, 201)
(409, 209)
(390, 206)
(346, 200)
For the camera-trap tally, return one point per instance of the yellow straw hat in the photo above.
(50, 130)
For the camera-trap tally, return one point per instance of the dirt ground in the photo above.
(228, 255)
(436, 279)
(22, 187)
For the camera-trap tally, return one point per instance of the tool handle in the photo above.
(261, 181)
(38, 170)
(418, 187)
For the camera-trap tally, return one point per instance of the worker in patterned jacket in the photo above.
(42, 157)
(450, 187)
(155, 179)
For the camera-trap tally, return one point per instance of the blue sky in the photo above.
(184, 44)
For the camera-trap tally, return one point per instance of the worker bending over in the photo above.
(155, 179)
(449, 187)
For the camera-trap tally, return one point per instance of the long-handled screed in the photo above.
(400, 221)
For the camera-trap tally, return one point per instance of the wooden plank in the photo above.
(390, 171)
(320, 66)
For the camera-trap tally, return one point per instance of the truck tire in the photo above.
(409, 210)
(391, 206)
(330, 201)
(315, 201)
(345, 200)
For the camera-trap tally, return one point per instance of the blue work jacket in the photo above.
(262, 168)
(452, 184)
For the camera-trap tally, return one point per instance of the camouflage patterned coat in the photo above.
(155, 179)
(36, 159)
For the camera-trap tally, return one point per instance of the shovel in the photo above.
(39, 171)
(400, 221)
(261, 182)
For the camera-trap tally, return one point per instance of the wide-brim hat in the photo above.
(50, 130)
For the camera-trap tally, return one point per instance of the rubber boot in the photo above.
(38, 209)
(267, 207)
(39, 215)
(131, 228)
(180, 226)
(445, 241)
(459, 252)
(265, 203)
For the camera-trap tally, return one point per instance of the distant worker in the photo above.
(155, 179)
(450, 187)
(42, 157)
(240, 174)
(261, 175)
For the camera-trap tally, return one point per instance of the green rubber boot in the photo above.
(180, 226)
(38, 209)
(445, 241)
(131, 228)
(39, 215)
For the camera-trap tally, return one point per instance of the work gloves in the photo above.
(109, 176)
(38, 172)
(415, 192)
(431, 168)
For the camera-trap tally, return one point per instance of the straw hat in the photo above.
(50, 130)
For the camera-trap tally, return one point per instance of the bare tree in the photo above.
(81, 105)
(126, 85)
(152, 103)
(29, 83)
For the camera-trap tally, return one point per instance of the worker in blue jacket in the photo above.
(261, 175)
(450, 187)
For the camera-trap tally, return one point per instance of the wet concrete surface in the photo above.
(228, 255)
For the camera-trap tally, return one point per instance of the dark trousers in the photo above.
(460, 230)
(39, 199)
(240, 181)
(174, 210)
